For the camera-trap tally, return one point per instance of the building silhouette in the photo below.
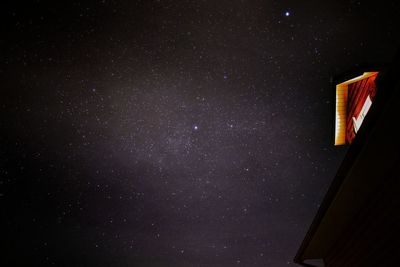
(358, 222)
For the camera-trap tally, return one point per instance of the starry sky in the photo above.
(173, 133)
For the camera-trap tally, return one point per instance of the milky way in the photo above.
(173, 133)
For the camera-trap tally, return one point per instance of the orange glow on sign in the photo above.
(353, 101)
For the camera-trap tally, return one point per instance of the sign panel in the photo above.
(353, 101)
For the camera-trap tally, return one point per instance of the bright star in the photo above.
(287, 13)
(196, 127)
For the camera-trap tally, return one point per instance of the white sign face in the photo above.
(360, 118)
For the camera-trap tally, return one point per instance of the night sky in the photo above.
(173, 133)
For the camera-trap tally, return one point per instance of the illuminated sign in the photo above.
(353, 101)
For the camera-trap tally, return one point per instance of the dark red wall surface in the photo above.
(357, 94)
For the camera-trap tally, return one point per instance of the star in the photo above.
(195, 127)
(287, 14)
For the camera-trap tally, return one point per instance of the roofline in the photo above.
(357, 71)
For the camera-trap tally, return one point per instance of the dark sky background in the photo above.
(173, 133)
